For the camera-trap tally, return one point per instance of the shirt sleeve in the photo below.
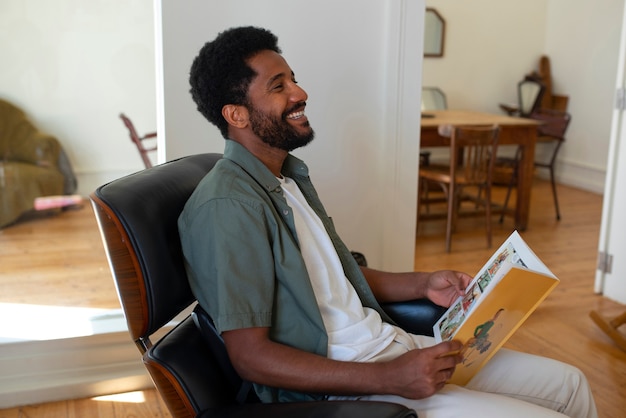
(230, 263)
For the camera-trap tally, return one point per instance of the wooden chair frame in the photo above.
(138, 140)
(471, 164)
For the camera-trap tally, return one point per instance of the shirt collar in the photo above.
(292, 167)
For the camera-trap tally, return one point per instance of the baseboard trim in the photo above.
(578, 175)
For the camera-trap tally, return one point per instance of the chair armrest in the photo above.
(415, 316)
(319, 409)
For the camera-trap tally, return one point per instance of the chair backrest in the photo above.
(137, 216)
(529, 94)
(138, 140)
(433, 98)
(555, 123)
(472, 151)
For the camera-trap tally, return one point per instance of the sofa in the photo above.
(32, 164)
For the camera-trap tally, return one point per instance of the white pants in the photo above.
(511, 384)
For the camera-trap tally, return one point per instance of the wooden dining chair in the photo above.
(552, 130)
(138, 140)
(471, 165)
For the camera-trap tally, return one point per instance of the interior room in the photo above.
(73, 68)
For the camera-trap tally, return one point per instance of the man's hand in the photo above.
(423, 372)
(443, 287)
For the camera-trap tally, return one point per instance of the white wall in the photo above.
(73, 67)
(363, 108)
(582, 39)
(491, 44)
(488, 48)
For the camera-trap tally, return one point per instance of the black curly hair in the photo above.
(220, 75)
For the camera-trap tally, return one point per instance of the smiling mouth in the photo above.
(296, 112)
(295, 115)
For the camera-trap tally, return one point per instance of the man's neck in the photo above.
(273, 158)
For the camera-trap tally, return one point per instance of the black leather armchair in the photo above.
(137, 216)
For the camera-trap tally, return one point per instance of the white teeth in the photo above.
(296, 115)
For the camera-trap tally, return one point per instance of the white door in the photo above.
(611, 273)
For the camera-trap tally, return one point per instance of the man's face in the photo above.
(276, 104)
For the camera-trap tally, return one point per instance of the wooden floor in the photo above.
(42, 255)
(56, 259)
(560, 328)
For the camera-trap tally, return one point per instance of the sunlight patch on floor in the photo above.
(128, 397)
(25, 322)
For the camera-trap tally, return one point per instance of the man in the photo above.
(298, 316)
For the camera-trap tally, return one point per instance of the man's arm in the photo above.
(442, 287)
(416, 374)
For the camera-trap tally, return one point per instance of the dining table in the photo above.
(513, 131)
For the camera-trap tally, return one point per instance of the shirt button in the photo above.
(285, 212)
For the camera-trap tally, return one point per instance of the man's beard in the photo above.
(277, 132)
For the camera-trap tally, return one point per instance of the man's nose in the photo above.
(298, 94)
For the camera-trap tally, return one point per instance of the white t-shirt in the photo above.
(355, 332)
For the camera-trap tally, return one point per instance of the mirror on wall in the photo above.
(434, 32)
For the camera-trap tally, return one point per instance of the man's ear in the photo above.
(235, 115)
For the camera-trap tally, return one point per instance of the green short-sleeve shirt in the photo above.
(243, 256)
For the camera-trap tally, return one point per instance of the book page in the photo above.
(499, 314)
(514, 251)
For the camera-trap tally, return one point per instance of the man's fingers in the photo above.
(448, 348)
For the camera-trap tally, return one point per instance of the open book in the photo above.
(497, 301)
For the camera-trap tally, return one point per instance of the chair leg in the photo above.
(479, 196)
(556, 200)
(452, 193)
(419, 204)
(425, 192)
(512, 184)
(512, 181)
(488, 214)
(505, 205)
(458, 200)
